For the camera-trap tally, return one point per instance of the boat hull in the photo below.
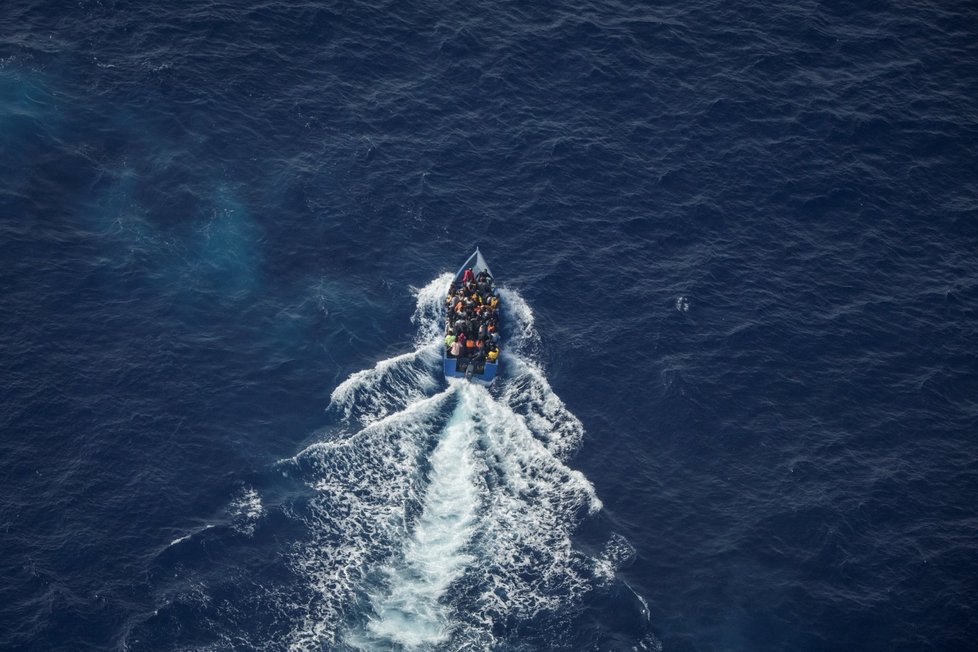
(478, 371)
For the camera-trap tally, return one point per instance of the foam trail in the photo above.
(365, 485)
(443, 518)
(392, 384)
(428, 314)
(187, 536)
(410, 612)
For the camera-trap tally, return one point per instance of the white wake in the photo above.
(409, 609)
(441, 515)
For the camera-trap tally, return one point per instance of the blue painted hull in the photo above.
(481, 373)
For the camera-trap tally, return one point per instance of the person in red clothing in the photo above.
(468, 276)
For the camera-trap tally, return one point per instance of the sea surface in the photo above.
(738, 251)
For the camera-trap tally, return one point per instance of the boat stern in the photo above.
(482, 372)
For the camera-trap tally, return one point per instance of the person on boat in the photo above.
(493, 353)
(468, 276)
(485, 286)
(455, 349)
(449, 338)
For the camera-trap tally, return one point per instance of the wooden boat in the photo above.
(473, 367)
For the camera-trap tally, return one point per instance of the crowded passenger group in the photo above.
(473, 318)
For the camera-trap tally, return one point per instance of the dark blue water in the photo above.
(739, 246)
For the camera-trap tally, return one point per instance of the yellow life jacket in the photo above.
(492, 355)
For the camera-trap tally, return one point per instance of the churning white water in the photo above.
(410, 610)
(439, 512)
